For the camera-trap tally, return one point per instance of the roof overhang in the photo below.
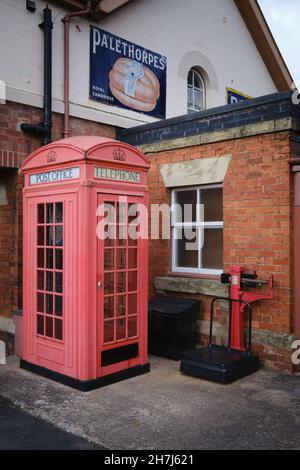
(101, 7)
(265, 43)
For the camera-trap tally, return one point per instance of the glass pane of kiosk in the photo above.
(49, 289)
(120, 274)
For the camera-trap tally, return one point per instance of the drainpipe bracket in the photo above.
(33, 128)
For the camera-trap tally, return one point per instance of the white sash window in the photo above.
(197, 230)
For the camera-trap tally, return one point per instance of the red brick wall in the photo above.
(10, 243)
(257, 214)
(14, 147)
(15, 144)
(257, 224)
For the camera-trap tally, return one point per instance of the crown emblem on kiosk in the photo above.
(51, 157)
(119, 155)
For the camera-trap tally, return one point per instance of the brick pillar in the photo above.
(296, 170)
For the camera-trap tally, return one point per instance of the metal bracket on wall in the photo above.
(30, 6)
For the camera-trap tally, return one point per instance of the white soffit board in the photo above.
(195, 172)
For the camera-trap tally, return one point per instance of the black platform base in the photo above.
(217, 364)
(86, 386)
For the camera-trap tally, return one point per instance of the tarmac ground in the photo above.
(162, 410)
(21, 431)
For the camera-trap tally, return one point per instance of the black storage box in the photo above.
(172, 326)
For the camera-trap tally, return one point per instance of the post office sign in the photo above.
(55, 176)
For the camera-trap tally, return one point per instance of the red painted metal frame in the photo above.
(238, 310)
(78, 355)
(142, 307)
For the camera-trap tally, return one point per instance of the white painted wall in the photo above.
(208, 33)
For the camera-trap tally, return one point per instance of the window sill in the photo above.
(204, 274)
(191, 285)
(215, 277)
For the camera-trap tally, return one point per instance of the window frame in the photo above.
(54, 270)
(193, 88)
(178, 225)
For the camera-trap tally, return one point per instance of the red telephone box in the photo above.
(85, 275)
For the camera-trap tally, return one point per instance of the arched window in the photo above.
(196, 91)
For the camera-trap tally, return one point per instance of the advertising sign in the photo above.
(234, 96)
(126, 75)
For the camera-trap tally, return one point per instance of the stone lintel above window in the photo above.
(195, 172)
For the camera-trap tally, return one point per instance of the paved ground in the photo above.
(166, 410)
(20, 431)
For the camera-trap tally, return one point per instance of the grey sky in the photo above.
(283, 17)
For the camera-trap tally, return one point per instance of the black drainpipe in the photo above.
(44, 128)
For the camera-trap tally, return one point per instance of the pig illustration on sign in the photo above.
(134, 85)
